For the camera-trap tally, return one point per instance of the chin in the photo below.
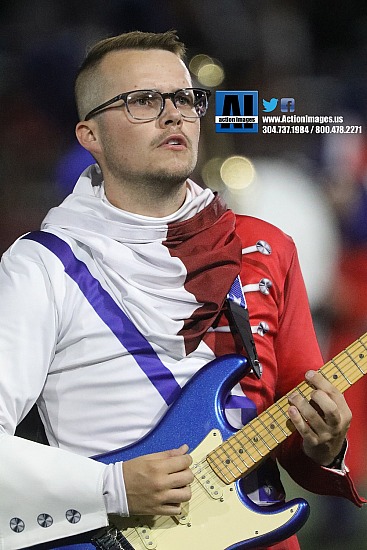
(170, 178)
(179, 169)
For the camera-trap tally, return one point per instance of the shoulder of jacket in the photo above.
(29, 247)
(251, 229)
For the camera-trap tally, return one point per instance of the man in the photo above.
(121, 298)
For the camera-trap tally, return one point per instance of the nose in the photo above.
(170, 114)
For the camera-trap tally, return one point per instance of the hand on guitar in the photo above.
(323, 421)
(158, 483)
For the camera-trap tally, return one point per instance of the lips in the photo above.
(174, 140)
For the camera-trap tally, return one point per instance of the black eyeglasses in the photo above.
(149, 104)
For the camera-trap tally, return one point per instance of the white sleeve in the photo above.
(114, 490)
(28, 334)
(46, 493)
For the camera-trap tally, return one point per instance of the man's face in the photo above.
(161, 151)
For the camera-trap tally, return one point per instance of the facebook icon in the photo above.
(287, 104)
(236, 111)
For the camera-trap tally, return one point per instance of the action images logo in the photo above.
(236, 111)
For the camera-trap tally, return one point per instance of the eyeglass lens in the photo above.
(146, 104)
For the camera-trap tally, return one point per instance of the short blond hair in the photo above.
(87, 87)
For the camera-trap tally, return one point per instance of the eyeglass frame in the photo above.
(164, 96)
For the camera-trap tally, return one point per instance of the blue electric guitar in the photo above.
(219, 515)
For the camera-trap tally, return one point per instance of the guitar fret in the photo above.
(361, 355)
(265, 433)
(324, 375)
(352, 371)
(258, 434)
(242, 450)
(239, 449)
(236, 456)
(258, 439)
(250, 440)
(354, 362)
(362, 342)
(341, 372)
(283, 413)
(272, 435)
(228, 461)
(219, 464)
(277, 423)
(301, 392)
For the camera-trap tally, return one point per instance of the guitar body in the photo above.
(219, 516)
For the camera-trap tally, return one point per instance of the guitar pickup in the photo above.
(207, 479)
(145, 534)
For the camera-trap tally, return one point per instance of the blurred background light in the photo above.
(198, 61)
(208, 71)
(210, 174)
(237, 172)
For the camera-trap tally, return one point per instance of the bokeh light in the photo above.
(210, 174)
(208, 71)
(237, 172)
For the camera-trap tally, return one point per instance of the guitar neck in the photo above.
(243, 451)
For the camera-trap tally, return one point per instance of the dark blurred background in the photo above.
(313, 186)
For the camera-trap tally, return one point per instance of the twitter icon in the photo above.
(269, 106)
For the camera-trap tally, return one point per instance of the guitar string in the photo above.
(274, 415)
(355, 362)
(259, 428)
(268, 431)
(305, 389)
(235, 453)
(345, 364)
(199, 496)
(341, 372)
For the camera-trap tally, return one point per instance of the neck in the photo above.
(147, 201)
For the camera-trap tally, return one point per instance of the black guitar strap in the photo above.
(240, 324)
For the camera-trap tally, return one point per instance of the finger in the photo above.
(174, 499)
(329, 410)
(178, 459)
(168, 453)
(309, 436)
(312, 415)
(307, 416)
(172, 460)
(298, 420)
(181, 479)
(177, 452)
(325, 408)
(319, 382)
(178, 496)
(170, 509)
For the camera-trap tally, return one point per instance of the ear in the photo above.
(87, 135)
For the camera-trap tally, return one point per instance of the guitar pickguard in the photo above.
(212, 521)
